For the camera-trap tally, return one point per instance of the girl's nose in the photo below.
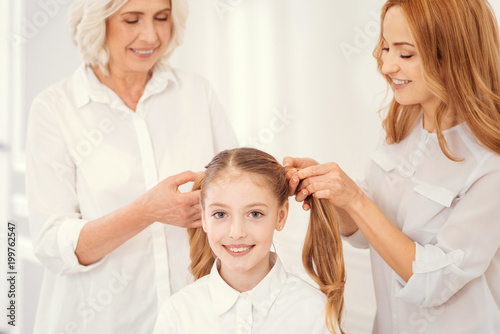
(238, 229)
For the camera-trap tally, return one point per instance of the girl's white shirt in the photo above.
(280, 304)
(88, 154)
(451, 210)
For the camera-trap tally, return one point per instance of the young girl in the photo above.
(429, 206)
(241, 285)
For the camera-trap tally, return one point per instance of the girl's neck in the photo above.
(448, 121)
(128, 86)
(246, 280)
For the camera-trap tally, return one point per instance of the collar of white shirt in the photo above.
(262, 296)
(89, 88)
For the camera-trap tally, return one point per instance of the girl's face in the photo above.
(402, 64)
(239, 216)
(138, 34)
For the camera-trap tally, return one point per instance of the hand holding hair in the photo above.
(327, 181)
(166, 204)
(330, 182)
(292, 166)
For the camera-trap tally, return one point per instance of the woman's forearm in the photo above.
(163, 203)
(101, 236)
(397, 250)
(347, 224)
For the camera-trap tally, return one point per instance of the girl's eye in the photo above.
(256, 214)
(406, 57)
(162, 19)
(132, 21)
(385, 49)
(219, 215)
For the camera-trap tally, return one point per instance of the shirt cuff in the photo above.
(426, 287)
(68, 236)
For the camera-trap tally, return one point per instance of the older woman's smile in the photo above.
(144, 51)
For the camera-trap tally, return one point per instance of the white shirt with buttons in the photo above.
(280, 304)
(88, 154)
(451, 210)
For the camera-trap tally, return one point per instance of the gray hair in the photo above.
(87, 20)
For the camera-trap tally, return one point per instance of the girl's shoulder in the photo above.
(194, 291)
(299, 289)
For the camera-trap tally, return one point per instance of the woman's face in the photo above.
(137, 35)
(402, 64)
(240, 214)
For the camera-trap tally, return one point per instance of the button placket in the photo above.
(244, 314)
(157, 231)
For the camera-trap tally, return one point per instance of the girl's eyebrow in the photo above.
(256, 204)
(247, 206)
(218, 205)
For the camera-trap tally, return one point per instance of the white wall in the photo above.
(296, 77)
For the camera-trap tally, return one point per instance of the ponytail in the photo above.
(202, 257)
(322, 256)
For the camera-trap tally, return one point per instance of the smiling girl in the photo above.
(241, 285)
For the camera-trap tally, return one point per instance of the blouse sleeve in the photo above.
(465, 246)
(54, 213)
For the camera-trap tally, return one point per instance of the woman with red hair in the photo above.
(428, 207)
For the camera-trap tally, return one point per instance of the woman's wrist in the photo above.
(358, 205)
(140, 210)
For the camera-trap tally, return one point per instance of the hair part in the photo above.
(322, 253)
(458, 43)
(87, 21)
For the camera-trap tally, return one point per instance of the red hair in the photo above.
(458, 43)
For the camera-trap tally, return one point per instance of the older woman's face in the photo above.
(137, 35)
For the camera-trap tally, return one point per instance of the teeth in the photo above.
(239, 250)
(400, 82)
(144, 52)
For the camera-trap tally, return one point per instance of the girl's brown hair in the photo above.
(458, 43)
(322, 254)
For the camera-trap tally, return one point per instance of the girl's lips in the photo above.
(238, 250)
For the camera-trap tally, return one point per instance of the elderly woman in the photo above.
(106, 219)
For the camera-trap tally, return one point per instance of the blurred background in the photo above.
(295, 77)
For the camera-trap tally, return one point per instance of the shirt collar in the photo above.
(262, 296)
(88, 87)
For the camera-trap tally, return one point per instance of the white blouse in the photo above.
(451, 210)
(280, 304)
(88, 154)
